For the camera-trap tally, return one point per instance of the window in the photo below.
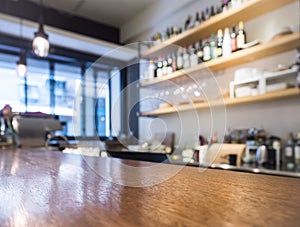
(82, 103)
(38, 93)
(66, 78)
(11, 86)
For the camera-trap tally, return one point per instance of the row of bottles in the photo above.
(291, 155)
(222, 45)
(199, 18)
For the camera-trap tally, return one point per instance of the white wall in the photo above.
(158, 17)
(278, 117)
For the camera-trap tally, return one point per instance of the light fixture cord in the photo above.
(41, 17)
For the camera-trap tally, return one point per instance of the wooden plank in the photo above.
(227, 102)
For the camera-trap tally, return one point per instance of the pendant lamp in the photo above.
(21, 65)
(40, 44)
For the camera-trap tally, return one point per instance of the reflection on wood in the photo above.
(46, 188)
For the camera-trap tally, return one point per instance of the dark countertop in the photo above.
(49, 188)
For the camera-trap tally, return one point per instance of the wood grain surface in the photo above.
(48, 188)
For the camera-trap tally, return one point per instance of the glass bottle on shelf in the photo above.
(219, 42)
(179, 60)
(174, 65)
(151, 70)
(197, 19)
(206, 51)
(225, 6)
(159, 67)
(203, 18)
(226, 48)
(241, 36)
(297, 152)
(212, 11)
(164, 66)
(186, 58)
(233, 39)
(213, 47)
(200, 51)
(207, 13)
(289, 156)
(193, 56)
(169, 64)
(168, 33)
(188, 23)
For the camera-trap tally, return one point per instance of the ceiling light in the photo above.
(40, 44)
(21, 65)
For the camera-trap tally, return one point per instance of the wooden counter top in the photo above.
(48, 188)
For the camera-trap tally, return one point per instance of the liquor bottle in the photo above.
(212, 11)
(206, 51)
(174, 60)
(197, 20)
(241, 36)
(186, 58)
(159, 68)
(175, 30)
(289, 155)
(172, 34)
(203, 18)
(207, 13)
(179, 31)
(200, 52)
(226, 47)
(168, 33)
(179, 60)
(225, 6)
(155, 61)
(219, 9)
(164, 66)
(157, 37)
(169, 65)
(164, 36)
(220, 42)
(151, 69)
(297, 151)
(233, 39)
(229, 4)
(213, 47)
(193, 56)
(188, 22)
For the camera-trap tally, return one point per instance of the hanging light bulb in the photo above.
(40, 44)
(21, 65)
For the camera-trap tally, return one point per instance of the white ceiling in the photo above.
(110, 12)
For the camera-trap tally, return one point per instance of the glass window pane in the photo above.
(89, 103)
(11, 86)
(66, 79)
(38, 89)
(115, 103)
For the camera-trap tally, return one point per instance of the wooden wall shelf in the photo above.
(227, 102)
(279, 45)
(247, 11)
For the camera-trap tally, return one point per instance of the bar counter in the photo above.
(39, 187)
